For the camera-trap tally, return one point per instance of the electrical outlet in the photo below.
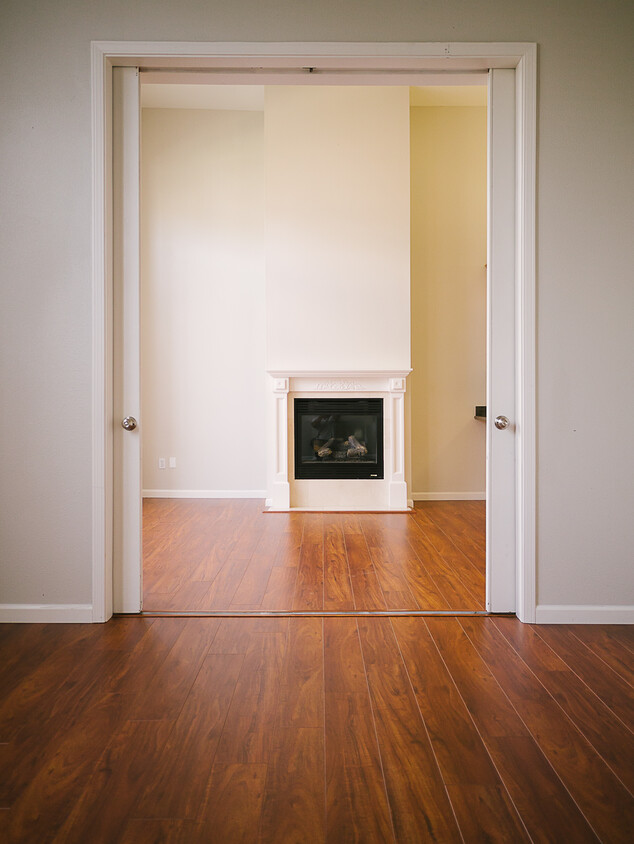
(161, 462)
(172, 462)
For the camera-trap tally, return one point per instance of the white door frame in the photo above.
(270, 63)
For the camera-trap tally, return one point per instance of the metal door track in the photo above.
(317, 614)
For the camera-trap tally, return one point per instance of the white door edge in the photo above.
(374, 58)
(500, 444)
(127, 590)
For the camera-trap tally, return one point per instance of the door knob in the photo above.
(129, 423)
(501, 422)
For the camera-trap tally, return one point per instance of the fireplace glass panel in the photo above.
(338, 438)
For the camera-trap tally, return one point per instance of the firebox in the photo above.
(338, 438)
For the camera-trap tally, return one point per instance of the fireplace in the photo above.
(337, 438)
(365, 469)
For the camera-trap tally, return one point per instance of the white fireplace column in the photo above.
(286, 492)
(396, 438)
(279, 492)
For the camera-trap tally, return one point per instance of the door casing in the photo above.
(331, 63)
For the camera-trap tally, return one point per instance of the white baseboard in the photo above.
(46, 613)
(583, 614)
(204, 493)
(449, 496)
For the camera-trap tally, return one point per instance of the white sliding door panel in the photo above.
(127, 570)
(501, 443)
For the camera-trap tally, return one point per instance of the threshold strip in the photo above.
(315, 614)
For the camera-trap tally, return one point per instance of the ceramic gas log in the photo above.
(338, 438)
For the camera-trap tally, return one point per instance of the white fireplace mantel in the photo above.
(288, 493)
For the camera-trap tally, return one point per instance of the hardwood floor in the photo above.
(315, 729)
(227, 555)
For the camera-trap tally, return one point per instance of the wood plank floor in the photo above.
(227, 555)
(316, 730)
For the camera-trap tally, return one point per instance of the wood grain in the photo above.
(301, 684)
(248, 731)
(615, 691)
(188, 753)
(166, 691)
(309, 589)
(592, 717)
(609, 647)
(294, 804)
(594, 787)
(163, 831)
(449, 517)
(280, 589)
(110, 794)
(461, 581)
(544, 803)
(416, 791)
(252, 587)
(337, 585)
(234, 803)
(480, 800)
(315, 729)
(61, 773)
(357, 807)
(232, 556)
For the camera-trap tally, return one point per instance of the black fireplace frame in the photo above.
(344, 470)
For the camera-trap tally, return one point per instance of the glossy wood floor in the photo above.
(228, 555)
(306, 730)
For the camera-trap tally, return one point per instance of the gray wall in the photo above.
(585, 290)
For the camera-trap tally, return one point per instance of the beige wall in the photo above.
(585, 254)
(448, 202)
(336, 213)
(337, 262)
(202, 300)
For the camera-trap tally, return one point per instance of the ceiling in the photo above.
(251, 97)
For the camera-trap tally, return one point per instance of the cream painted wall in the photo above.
(202, 300)
(585, 255)
(337, 255)
(448, 201)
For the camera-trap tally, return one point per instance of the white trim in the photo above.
(102, 467)
(584, 614)
(204, 493)
(441, 57)
(448, 496)
(47, 613)
(321, 374)
(525, 335)
(333, 55)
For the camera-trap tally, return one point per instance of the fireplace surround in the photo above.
(365, 469)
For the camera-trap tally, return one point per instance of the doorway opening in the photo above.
(202, 286)
(513, 257)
